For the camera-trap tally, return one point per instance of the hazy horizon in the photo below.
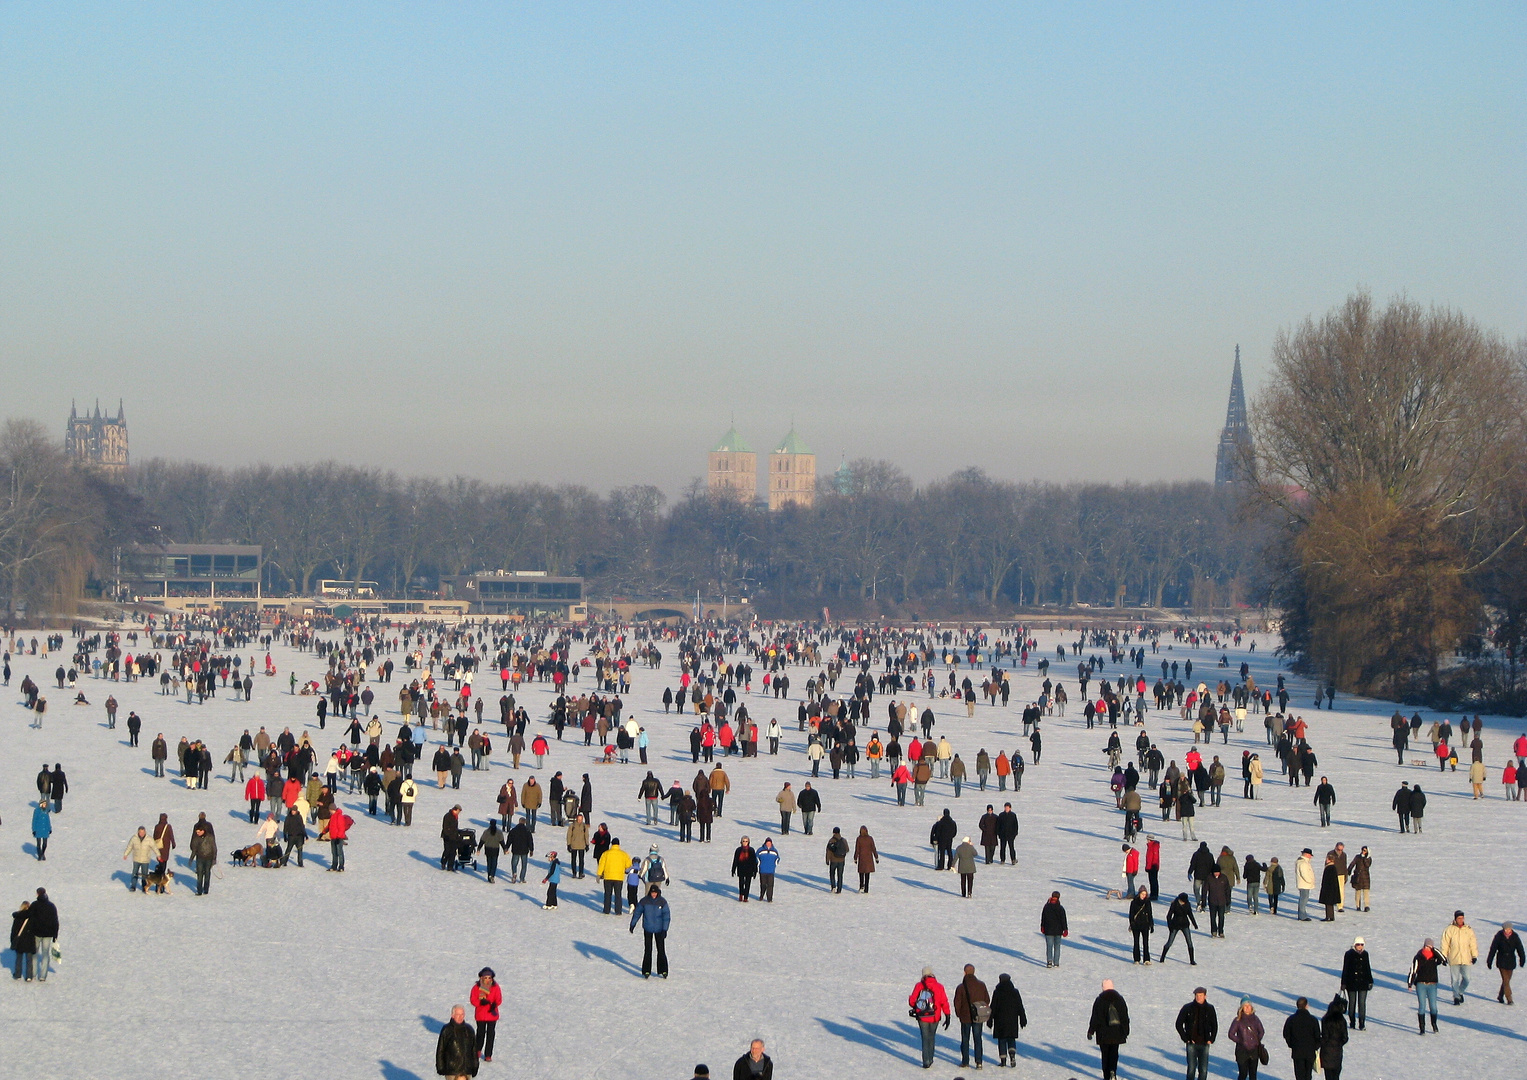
(573, 243)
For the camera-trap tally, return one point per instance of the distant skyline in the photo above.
(577, 243)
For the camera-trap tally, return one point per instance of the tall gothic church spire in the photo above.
(1233, 462)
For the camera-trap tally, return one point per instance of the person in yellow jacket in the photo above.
(1477, 778)
(1460, 950)
(611, 868)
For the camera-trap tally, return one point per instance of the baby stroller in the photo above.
(466, 847)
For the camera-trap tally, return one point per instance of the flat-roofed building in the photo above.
(198, 576)
(531, 594)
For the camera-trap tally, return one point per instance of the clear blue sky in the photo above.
(568, 242)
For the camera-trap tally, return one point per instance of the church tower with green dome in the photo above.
(792, 473)
(733, 468)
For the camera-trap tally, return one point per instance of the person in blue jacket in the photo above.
(768, 862)
(655, 917)
(42, 828)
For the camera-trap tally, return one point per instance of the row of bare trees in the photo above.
(967, 542)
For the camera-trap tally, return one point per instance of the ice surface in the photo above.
(290, 973)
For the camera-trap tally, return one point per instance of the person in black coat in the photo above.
(1301, 1032)
(456, 1049)
(1201, 868)
(1180, 920)
(44, 926)
(1400, 804)
(1330, 889)
(58, 785)
(1333, 1036)
(941, 836)
(1109, 1025)
(1142, 923)
(521, 843)
(1007, 1019)
(744, 868)
(743, 1069)
(1198, 1027)
(1007, 834)
(1356, 981)
(1506, 953)
(1417, 807)
(23, 942)
(1053, 925)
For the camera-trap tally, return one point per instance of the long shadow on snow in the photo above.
(876, 1036)
(391, 1071)
(923, 885)
(609, 956)
(1003, 950)
(1083, 886)
(1086, 832)
(803, 881)
(434, 860)
(719, 888)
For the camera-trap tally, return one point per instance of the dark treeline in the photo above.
(967, 543)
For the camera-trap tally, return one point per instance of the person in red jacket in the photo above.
(1153, 864)
(1131, 868)
(486, 998)
(254, 791)
(339, 828)
(289, 792)
(926, 1004)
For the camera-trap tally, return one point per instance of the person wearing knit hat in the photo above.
(1356, 981)
(926, 1005)
(486, 998)
(1109, 1026)
(1245, 1034)
(1423, 979)
(1461, 951)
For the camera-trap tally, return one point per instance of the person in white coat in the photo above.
(1304, 881)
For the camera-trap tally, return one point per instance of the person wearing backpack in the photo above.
(926, 1004)
(972, 1004)
(1109, 1026)
(654, 871)
(837, 855)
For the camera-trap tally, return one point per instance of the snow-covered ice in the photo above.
(288, 973)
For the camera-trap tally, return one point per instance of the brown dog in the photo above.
(247, 856)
